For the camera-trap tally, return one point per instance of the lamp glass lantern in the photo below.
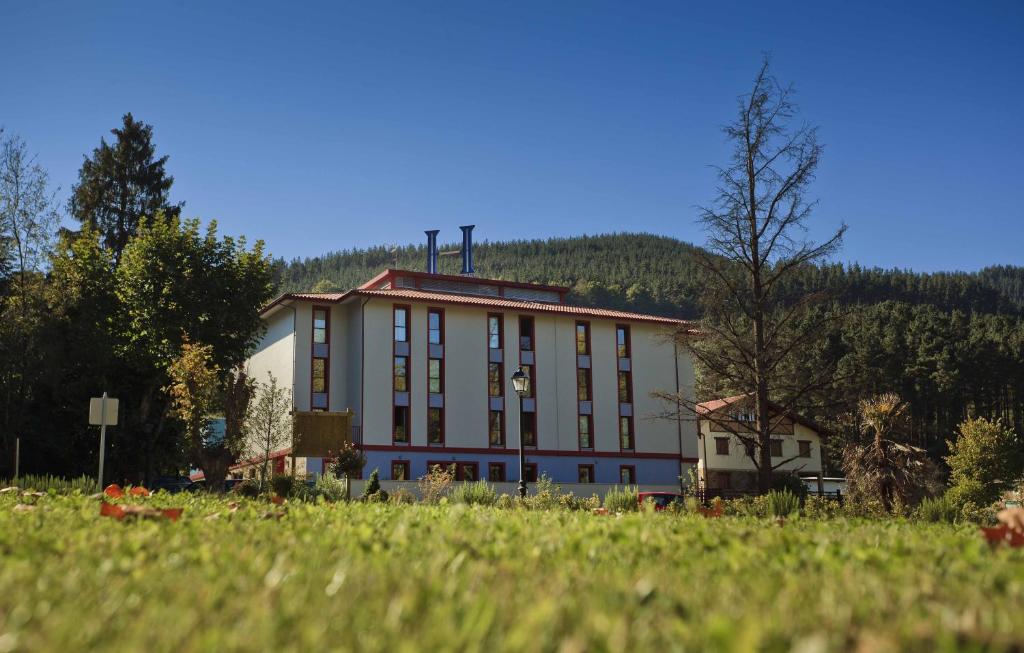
(521, 383)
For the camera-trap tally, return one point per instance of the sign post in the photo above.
(102, 412)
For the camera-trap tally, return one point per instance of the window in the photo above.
(435, 425)
(494, 379)
(583, 384)
(400, 431)
(722, 446)
(319, 375)
(582, 338)
(622, 341)
(586, 442)
(723, 480)
(625, 388)
(494, 332)
(401, 324)
(496, 472)
(434, 382)
(776, 447)
(399, 470)
(626, 433)
(627, 475)
(526, 333)
(586, 473)
(530, 472)
(528, 370)
(435, 336)
(528, 428)
(319, 325)
(466, 472)
(805, 448)
(401, 373)
(496, 428)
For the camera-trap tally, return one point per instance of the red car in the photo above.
(662, 499)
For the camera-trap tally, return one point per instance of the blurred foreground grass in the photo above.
(378, 577)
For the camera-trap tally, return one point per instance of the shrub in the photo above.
(750, 506)
(938, 509)
(816, 507)
(330, 487)
(506, 502)
(622, 500)
(380, 496)
(250, 487)
(403, 496)
(782, 503)
(436, 484)
(545, 497)
(480, 493)
(373, 485)
(57, 484)
(984, 461)
(572, 502)
(283, 485)
(785, 481)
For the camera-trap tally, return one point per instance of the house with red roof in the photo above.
(423, 360)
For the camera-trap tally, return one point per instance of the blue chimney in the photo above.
(467, 249)
(432, 251)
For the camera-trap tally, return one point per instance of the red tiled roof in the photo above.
(715, 405)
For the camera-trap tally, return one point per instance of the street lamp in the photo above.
(521, 383)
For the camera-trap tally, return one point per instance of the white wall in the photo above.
(273, 354)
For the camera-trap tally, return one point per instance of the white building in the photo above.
(424, 360)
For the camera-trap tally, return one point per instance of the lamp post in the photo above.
(521, 383)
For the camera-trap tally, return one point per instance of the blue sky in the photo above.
(339, 125)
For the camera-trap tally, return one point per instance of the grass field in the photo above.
(453, 578)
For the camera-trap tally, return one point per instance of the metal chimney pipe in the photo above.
(432, 251)
(467, 249)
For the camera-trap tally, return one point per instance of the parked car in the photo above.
(172, 484)
(661, 500)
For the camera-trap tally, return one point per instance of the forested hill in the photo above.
(655, 274)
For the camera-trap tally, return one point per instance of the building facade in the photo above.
(424, 361)
(725, 462)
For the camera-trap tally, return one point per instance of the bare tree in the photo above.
(754, 322)
(268, 424)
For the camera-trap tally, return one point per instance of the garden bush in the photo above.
(402, 496)
(782, 503)
(284, 485)
(818, 507)
(436, 484)
(480, 493)
(938, 509)
(622, 500)
(330, 487)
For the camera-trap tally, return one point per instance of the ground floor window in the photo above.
(463, 471)
(399, 470)
(627, 474)
(586, 473)
(496, 472)
(530, 472)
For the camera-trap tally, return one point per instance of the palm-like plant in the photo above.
(881, 466)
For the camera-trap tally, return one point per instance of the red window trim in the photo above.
(442, 421)
(312, 351)
(629, 390)
(536, 437)
(586, 324)
(497, 464)
(408, 374)
(632, 473)
(590, 387)
(590, 428)
(501, 330)
(629, 341)
(444, 415)
(403, 463)
(590, 468)
(632, 434)
(501, 377)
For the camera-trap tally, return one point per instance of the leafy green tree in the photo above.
(122, 183)
(986, 457)
(268, 425)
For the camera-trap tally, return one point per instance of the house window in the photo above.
(622, 341)
(494, 379)
(401, 373)
(319, 375)
(494, 332)
(435, 335)
(466, 472)
(401, 425)
(528, 370)
(530, 472)
(626, 433)
(434, 378)
(585, 424)
(722, 446)
(435, 425)
(583, 384)
(526, 333)
(776, 448)
(496, 428)
(582, 338)
(627, 475)
(319, 326)
(399, 470)
(625, 388)
(528, 428)
(401, 324)
(805, 448)
(496, 472)
(586, 473)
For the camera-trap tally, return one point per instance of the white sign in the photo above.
(96, 411)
